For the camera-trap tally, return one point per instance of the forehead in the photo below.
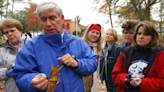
(11, 28)
(109, 31)
(94, 31)
(129, 31)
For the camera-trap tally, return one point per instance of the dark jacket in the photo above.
(107, 61)
(154, 73)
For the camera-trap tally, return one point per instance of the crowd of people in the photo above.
(133, 66)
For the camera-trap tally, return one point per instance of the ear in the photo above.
(62, 17)
(21, 31)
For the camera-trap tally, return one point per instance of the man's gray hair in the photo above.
(46, 6)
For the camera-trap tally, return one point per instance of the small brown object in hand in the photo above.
(53, 81)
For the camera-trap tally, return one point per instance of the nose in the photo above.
(128, 34)
(48, 22)
(141, 35)
(9, 33)
(95, 34)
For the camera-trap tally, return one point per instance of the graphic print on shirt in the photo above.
(137, 67)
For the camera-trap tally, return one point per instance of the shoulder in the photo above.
(160, 48)
(4, 44)
(70, 37)
(1, 44)
(77, 41)
(116, 46)
(125, 50)
(103, 45)
(123, 43)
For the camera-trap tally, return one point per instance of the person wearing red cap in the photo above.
(92, 37)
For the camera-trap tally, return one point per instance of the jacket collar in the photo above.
(21, 40)
(109, 48)
(56, 38)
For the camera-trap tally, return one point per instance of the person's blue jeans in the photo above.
(110, 89)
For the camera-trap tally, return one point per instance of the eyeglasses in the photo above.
(7, 32)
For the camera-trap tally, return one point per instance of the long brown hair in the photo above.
(149, 29)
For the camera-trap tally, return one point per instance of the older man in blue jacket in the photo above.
(53, 46)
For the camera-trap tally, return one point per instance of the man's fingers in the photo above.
(64, 58)
(42, 85)
(45, 87)
(38, 79)
(42, 75)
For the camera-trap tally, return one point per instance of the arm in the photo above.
(3, 75)
(87, 59)
(119, 72)
(3, 69)
(117, 52)
(25, 70)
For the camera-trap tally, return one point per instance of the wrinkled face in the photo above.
(13, 34)
(128, 36)
(142, 38)
(51, 22)
(93, 35)
(109, 37)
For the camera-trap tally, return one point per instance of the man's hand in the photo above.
(68, 60)
(40, 81)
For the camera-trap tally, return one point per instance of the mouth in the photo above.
(11, 37)
(127, 38)
(50, 29)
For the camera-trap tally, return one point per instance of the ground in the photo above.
(100, 87)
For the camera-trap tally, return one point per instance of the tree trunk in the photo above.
(110, 15)
(12, 8)
(148, 10)
(7, 8)
(1, 13)
(161, 27)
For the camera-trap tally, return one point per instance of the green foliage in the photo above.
(82, 30)
(3, 7)
(1, 34)
(127, 9)
(74, 32)
(19, 15)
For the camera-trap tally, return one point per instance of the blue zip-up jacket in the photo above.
(41, 52)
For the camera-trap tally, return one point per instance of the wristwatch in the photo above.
(10, 66)
(73, 56)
